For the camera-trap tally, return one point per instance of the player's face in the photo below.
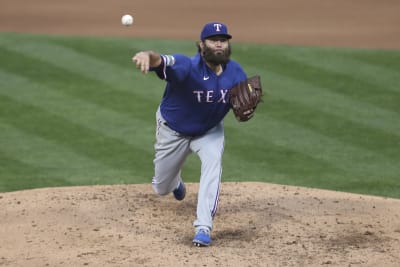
(216, 50)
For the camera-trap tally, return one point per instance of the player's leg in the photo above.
(171, 151)
(209, 148)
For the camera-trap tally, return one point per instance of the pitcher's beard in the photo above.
(218, 58)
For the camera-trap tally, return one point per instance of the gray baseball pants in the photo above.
(171, 151)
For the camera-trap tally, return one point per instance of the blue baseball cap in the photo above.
(213, 29)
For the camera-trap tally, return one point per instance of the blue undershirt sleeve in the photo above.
(173, 67)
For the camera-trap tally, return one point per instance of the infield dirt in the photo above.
(258, 224)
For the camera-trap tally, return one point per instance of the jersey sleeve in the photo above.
(173, 67)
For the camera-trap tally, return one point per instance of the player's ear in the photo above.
(200, 46)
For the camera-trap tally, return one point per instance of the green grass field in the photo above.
(75, 111)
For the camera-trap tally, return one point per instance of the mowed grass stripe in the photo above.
(271, 156)
(384, 58)
(120, 79)
(362, 90)
(384, 78)
(48, 163)
(285, 166)
(289, 154)
(112, 152)
(121, 50)
(336, 127)
(356, 160)
(97, 118)
(37, 151)
(16, 175)
(319, 98)
(76, 86)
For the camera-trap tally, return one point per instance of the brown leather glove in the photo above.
(244, 98)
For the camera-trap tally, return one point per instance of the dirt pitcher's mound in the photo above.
(258, 224)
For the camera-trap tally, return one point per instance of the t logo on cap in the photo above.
(213, 29)
(217, 27)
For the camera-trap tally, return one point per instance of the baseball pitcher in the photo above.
(190, 117)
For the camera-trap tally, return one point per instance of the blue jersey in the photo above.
(195, 98)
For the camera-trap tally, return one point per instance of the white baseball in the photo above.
(127, 20)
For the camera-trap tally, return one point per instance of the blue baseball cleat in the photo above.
(180, 191)
(202, 238)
